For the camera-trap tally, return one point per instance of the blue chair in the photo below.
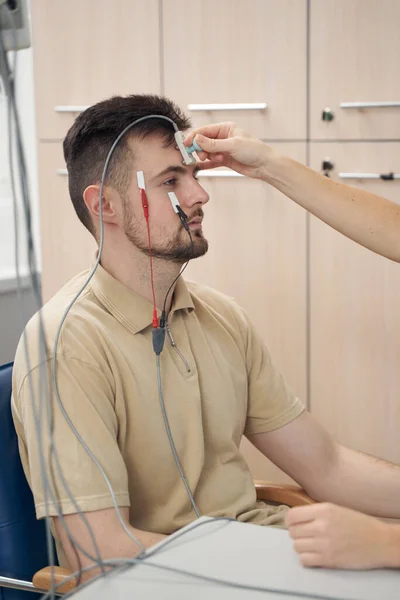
(23, 549)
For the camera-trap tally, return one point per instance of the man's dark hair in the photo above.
(90, 138)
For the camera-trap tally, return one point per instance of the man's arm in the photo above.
(333, 537)
(112, 541)
(329, 472)
(368, 219)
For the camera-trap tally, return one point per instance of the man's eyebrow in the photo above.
(174, 169)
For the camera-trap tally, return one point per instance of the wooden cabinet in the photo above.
(66, 246)
(87, 51)
(324, 305)
(354, 57)
(355, 317)
(257, 254)
(239, 51)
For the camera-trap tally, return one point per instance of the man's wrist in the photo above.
(392, 545)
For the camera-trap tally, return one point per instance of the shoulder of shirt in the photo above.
(46, 322)
(221, 303)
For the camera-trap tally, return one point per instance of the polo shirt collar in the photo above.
(130, 309)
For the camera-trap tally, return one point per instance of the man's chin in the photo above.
(196, 250)
(182, 250)
(200, 246)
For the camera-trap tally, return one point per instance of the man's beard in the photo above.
(179, 249)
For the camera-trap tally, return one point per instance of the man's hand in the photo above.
(326, 535)
(225, 145)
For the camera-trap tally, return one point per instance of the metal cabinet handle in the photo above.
(383, 176)
(234, 106)
(370, 104)
(70, 109)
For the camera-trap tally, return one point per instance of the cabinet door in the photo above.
(355, 58)
(239, 51)
(257, 255)
(355, 317)
(66, 246)
(87, 51)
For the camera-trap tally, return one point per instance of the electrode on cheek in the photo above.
(141, 186)
(140, 180)
(177, 208)
(174, 201)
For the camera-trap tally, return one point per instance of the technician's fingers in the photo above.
(214, 131)
(211, 163)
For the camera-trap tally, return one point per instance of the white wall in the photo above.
(25, 101)
(14, 315)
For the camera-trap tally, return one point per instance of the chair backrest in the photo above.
(23, 548)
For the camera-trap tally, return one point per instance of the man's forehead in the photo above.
(153, 155)
(150, 142)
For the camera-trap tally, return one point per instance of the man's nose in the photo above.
(197, 195)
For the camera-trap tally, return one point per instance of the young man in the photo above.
(217, 378)
(324, 535)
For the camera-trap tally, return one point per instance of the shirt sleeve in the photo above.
(65, 468)
(271, 402)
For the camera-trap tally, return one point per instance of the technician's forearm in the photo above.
(368, 219)
(363, 483)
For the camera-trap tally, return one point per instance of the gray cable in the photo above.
(58, 333)
(9, 82)
(9, 78)
(171, 439)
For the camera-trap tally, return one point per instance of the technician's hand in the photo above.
(330, 536)
(224, 144)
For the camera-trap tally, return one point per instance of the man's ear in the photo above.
(110, 204)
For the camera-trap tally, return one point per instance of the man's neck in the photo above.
(132, 269)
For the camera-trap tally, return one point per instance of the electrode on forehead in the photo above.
(188, 158)
(140, 180)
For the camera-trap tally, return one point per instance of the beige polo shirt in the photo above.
(218, 382)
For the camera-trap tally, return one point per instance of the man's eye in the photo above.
(170, 182)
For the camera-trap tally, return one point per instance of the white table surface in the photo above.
(242, 553)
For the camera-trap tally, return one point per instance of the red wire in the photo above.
(146, 216)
